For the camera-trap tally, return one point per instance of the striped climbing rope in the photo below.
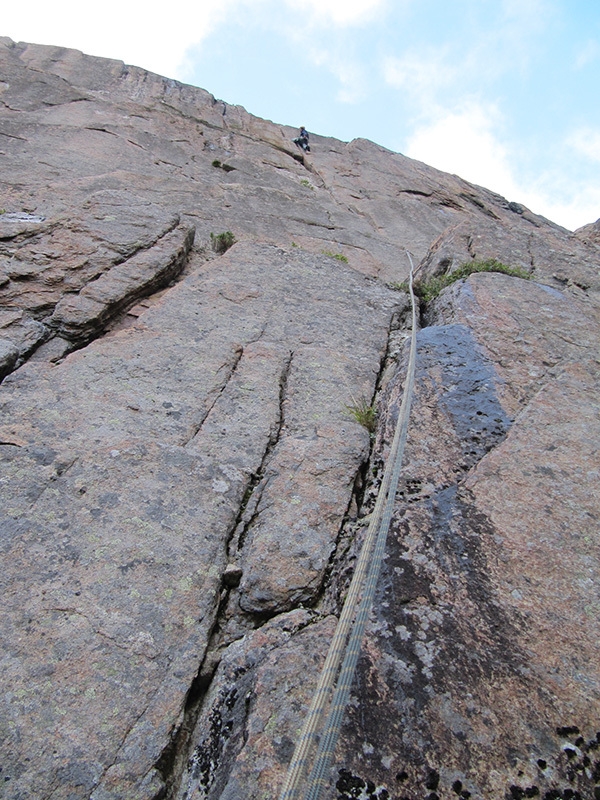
(335, 682)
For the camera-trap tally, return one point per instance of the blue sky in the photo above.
(504, 93)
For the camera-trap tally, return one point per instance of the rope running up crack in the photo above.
(335, 682)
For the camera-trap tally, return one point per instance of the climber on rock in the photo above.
(302, 139)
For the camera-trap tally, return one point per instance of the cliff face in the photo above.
(182, 484)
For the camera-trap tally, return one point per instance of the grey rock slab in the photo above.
(532, 330)
(308, 481)
(9, 353)
(245, 734)
(123, 481)
(25, 333)
(309, 475)
(589, 233)
(44, 264)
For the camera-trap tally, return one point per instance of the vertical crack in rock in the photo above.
(248, 509)
(238, 711)
(171, 764)
(339, 570)
(530, 252)
(471, 247)
(229, 367)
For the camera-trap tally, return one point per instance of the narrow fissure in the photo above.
(232, 366)
(243, 523)
(471, 247)
(338, 573)
(173, 760)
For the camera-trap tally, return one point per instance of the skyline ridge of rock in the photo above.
(183, 483)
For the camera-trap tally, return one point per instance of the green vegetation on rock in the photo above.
(364, 413)
(219, 165)
(429, 289)
(222, 241)
(339, 256)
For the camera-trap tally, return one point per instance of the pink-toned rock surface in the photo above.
(125, 468)
(589, 233)
(483, 648)
(479, 672)
(182, 480)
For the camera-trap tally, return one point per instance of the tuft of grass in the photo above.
(294, 244)
(219, 165)
(307, 183)
(222, 241)
(364, 413)
(428, 290)
(339, 256)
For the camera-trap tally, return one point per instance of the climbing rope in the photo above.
(335, 682)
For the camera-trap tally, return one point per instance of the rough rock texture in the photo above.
(484, 639)
(590, 233)
(182, 479)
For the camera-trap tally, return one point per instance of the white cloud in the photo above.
(340, 12)
(129, 30)
(527, 14)
(586, 143)
(352, 81)
(466, 143)
(581, 210)
(463, 142)
(421, 75)
(349, 74)
(587, 54)
(471, 60)
(320, 30)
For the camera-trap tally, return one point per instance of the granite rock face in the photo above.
(481, 657)
(183, 475)
(589, 233)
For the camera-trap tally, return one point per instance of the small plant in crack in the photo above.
(401, 286)
(430, 289)
(225, 167)
(222, 241)
(364, 413)
(339, 256)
